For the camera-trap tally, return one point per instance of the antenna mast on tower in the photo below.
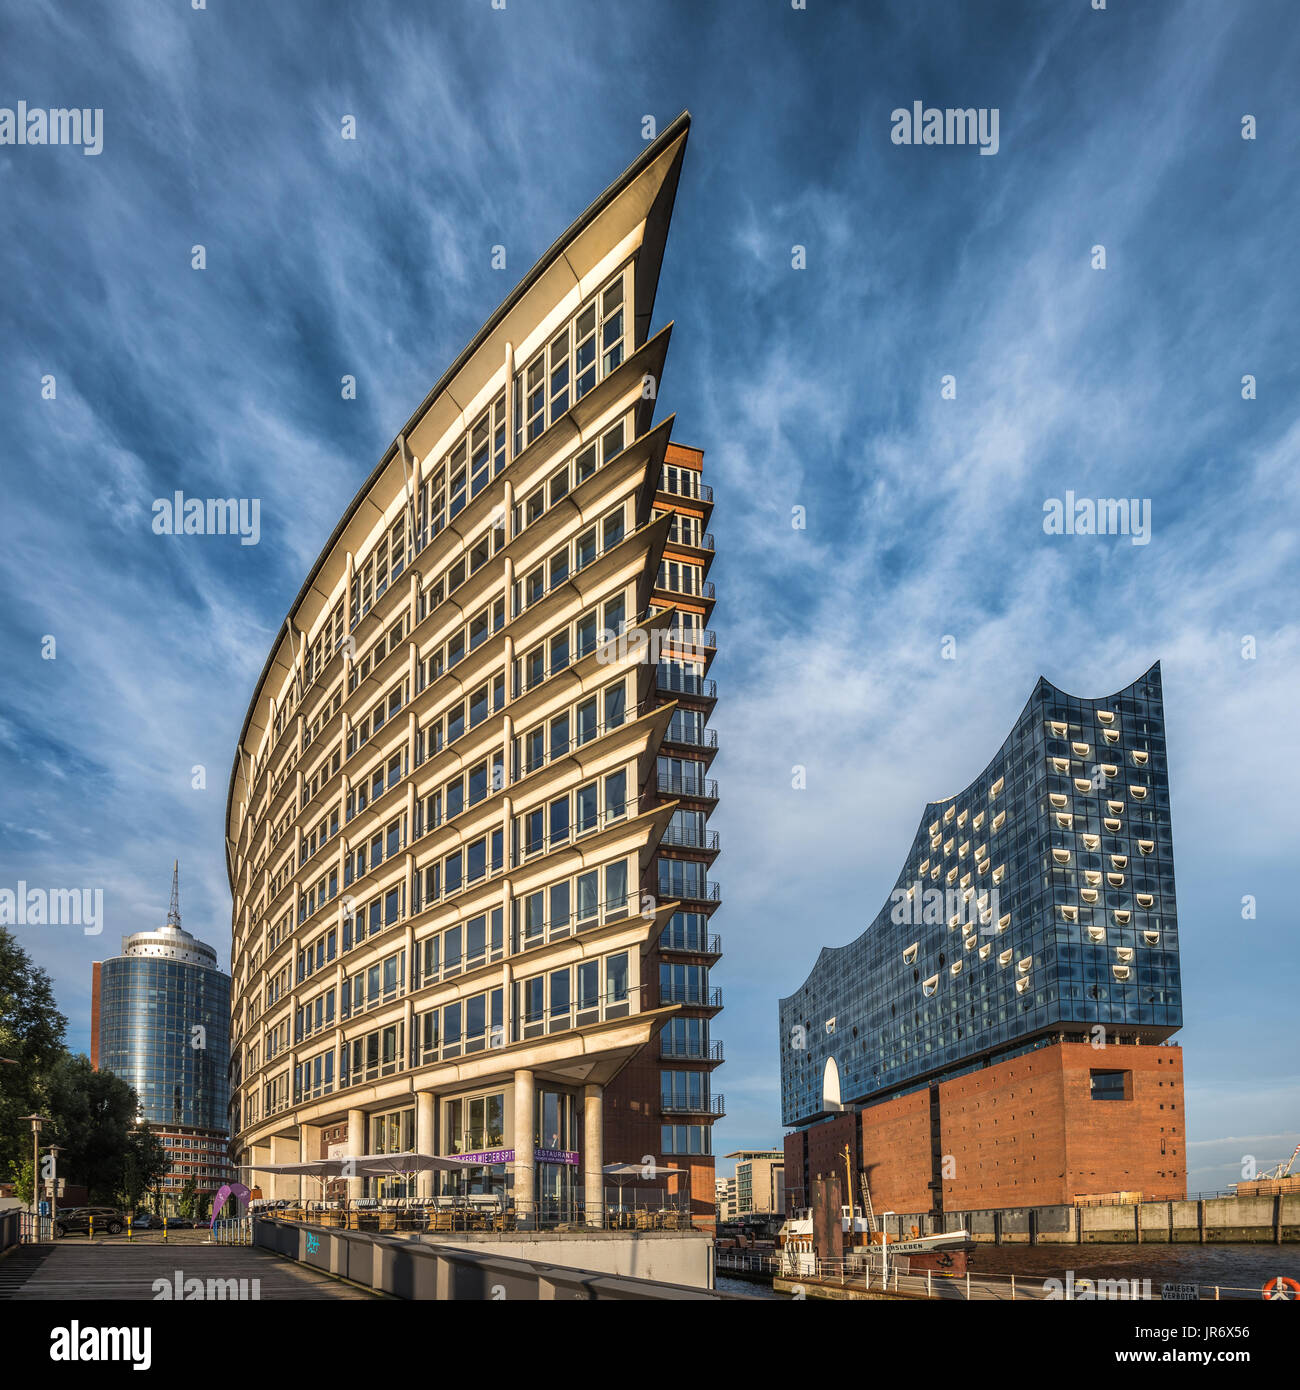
(174, 911)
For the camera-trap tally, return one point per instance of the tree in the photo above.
(93, 1120)
(185, 1203)
(143, 1163)
(31, 1039)
(22, 1179)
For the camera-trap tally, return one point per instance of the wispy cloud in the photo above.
(816, 389)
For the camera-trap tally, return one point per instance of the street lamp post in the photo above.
(884, 1250)
(36, 1122)
(54, 1188)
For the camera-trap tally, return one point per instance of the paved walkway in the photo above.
(73, 1268)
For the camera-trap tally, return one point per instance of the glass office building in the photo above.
(1036, 904)
(162, 1023)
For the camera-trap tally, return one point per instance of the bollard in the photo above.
(164, 1228)
(91, 1236)
(130, 1228)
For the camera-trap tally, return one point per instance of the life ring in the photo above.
(1281, 1289)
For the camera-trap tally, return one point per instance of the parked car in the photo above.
(145, 1220)
(204, 1221)
(76, 1221)
(179, 1223)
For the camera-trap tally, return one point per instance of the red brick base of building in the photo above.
(1068, 1120)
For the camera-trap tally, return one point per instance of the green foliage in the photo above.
(31, 1037)
(21, 1175)
(93, 1116)
(188, 1198)
(90, 1115)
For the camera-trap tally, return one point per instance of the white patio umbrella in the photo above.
(620, 1172)
(363, 1166)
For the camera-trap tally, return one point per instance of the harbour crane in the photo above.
(1283, 1169)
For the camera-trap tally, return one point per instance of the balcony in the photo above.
(688, 837)
(689, 1051)
(704, 589)
(691, 943)
(708, 892)
(701, 788)
(713, 1106)
(691, 737)
(695, 491)
(682, 682)
(706, 997)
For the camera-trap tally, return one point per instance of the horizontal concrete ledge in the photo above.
(496, 1269)
(1270, 1220)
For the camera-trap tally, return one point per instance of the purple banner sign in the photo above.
(229, 1189)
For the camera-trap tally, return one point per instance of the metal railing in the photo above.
(872, 1273)
(687, 837)
(693, 738)
(237, 1231)
(686, 682)
(692, 943)
(706, 891)
(684, 1105)
(699, 1052)
(704, 787)
(688, 994)
(622, 1209)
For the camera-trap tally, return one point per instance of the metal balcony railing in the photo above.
(691, 1051)
(684, 682)
(702, 997)
(696, 492)
(673, 1104)
(696, 638)
(709, 891)
(692, 736)
(694, 943)
(706, 788)
(687, 837)
(701, 589)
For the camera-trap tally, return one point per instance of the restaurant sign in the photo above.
(492, 1156)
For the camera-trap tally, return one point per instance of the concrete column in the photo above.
(256, 1155)
(284, 1149)
(523, 1145)
(593, 1154)
(425, 1103)
(308, 1149)
(356, 1147)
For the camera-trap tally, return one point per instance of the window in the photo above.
(1111, 1085)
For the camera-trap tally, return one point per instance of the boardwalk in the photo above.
(75, 1269)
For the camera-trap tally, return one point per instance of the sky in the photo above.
(948, 357)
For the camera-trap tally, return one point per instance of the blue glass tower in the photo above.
(163, 1025)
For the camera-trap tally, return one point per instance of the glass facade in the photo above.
(1038, 900)
(164, 1027)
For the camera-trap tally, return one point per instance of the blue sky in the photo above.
(818, 388)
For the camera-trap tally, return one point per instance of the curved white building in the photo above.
(466, 824)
